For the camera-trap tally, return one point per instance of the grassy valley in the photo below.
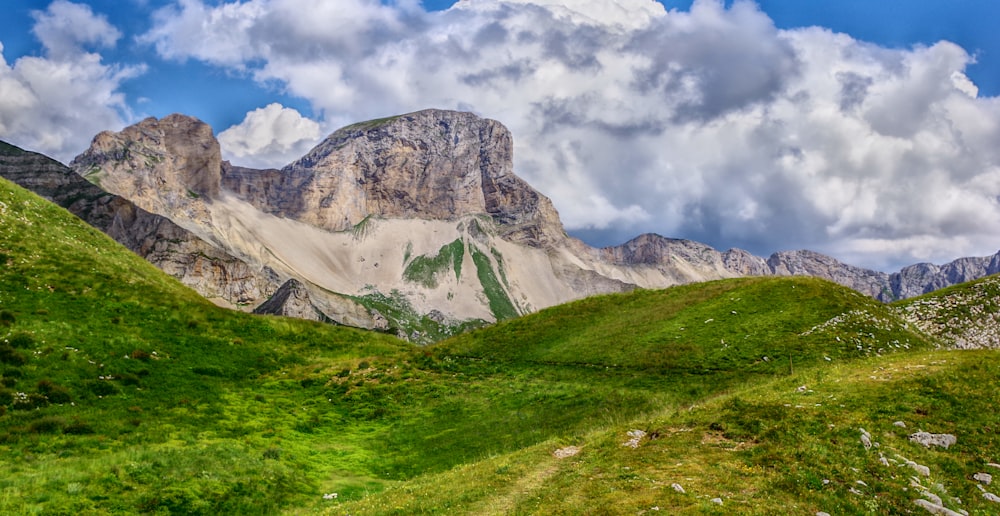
(124, 392)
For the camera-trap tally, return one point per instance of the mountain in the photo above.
(376, 225)
(414, 224)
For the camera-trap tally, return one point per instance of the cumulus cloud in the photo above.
(56, 103)
(709, 124)
(66, 27)
(269, 137)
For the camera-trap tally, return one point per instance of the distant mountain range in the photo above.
(415, 225)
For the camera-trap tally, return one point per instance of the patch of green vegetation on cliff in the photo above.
(425, 269)
(7, 149)
(404, 319)
(500, 303)
(368, 125)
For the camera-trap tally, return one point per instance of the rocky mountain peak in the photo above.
(159, 164)
(431, 165)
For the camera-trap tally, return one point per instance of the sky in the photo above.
(866, 130)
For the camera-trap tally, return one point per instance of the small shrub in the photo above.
(13, 373)
(272, 453)
(9, 355)
(54, 393)
(21, 340)
(344, 373)
(139, 354)
(46, 425)
(363, 365)
(208, 371)
(128, 379)
(78, 427)
(7, 381)
(6, 397)
(102, 387)
(309, 382)
(7, 318)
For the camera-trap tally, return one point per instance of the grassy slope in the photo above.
(242, 414)
(157, 399)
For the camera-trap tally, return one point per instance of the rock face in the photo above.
(415, 224)
(206, 268)
(432, 165)
(809, 263)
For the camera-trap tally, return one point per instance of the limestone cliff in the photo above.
(431, 165)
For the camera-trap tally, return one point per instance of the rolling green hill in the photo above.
(124, 392)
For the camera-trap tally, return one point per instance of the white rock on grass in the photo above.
(634, 437)
(923, 470)
(934, 508)
(566, 452)
(677, 487)
(991, 497)
(900, 424)
(716, 501)
(928, 439)
(984, 478)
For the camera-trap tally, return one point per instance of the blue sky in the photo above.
(860, 128)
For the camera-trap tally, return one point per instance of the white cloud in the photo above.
(64, 28)
(269, 137)
(55, 104)
(710, 124)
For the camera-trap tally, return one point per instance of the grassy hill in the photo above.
(124, 392)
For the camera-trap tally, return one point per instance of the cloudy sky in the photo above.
(868, 130)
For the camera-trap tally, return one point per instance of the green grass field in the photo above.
(124, 392)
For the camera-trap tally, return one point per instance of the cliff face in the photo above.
(432, 165)
(209, 270)
(415, 224)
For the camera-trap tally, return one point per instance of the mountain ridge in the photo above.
(348, 220)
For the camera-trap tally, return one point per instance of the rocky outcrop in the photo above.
(206, 268)
(923, 278)
(809, 263)
(434, 165)
(160, 165)
(292, 300)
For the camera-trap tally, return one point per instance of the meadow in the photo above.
(124, 392)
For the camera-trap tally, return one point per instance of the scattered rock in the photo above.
(716, 501)
(866, 439)
(566, 452)
(928, 439)
(984, 478)
(933, 498)
(991, 497)
(821, 513)
(900, 424)
(677, 487)
(934, 508)
(923, 470)
(634, 437)
(802, 388)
